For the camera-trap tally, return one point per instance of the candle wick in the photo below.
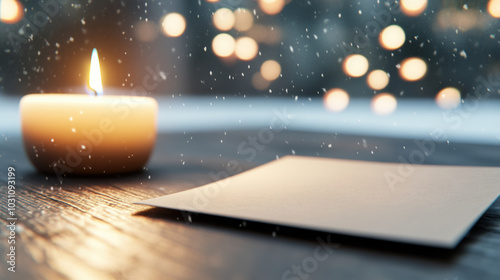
(95, 91)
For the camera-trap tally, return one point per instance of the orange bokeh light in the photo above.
(392, 37)
(413, 8)
(355, 65)
(336, 100)
(11, 11)
(448, 98)
(246, 48)
(271, 7)
(377, 79)
(494, 8)
(270, 70)
(223, 45)
(384, 104)
(173, 25)
(413, 69)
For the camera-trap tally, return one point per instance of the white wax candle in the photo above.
(81, 134)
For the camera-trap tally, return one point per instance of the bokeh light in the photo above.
(270, 70)
(413, 8)
(271, 7)
(494, 8)
(271, 35)
(377, 79)
(384, 104)
(246, 48)
(223, 45)
(448, 98)
(11, 11)
(146, 31)
(173, 25)
(223, 19)
(392, 37)
(413, 69)
(259, 83)
(355, 65)
(336, 100)
(212, 1)
(243, 19)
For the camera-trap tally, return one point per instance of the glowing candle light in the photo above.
(86, 135)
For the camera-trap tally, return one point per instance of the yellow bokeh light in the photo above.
(494, 8)
(413, 69)
(270, 70)
(377, 79)
(413, 8)
(212, 1)
(355, 65)
(448, 98)
(223, 45)
(223, 19)
(384, 104)
(11, 11)
(259, 83)
(173, 25)
(243, 19)
(246, 48)
(336, 100)
(392, 37)
(271, 7)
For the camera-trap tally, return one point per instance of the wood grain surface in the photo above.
(89, 228)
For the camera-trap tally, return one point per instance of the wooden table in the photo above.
(89, 228)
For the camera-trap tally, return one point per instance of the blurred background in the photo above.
(330, 49)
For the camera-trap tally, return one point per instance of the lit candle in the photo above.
(81, 134)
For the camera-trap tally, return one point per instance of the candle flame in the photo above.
(95, 82)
